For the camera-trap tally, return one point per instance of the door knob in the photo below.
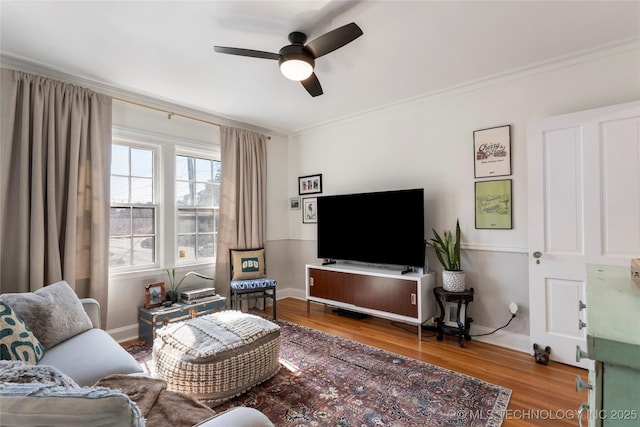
(537, 254)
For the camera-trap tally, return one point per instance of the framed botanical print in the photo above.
(310, 210)
(494, 206)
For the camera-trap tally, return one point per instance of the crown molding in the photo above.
(151, 100)
(586, 55)
(600, 51)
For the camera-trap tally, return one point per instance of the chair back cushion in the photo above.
(247, 264)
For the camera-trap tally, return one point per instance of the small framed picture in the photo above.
(294, 203)
(310, 184)
(492, 151)
(494, 205)
(310, 210)
(154, 295)
(451, 314)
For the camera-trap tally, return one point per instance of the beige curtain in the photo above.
(54, 186)
(243, 202)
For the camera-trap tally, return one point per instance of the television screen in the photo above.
(383, 227)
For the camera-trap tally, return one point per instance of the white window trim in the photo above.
(165, 150)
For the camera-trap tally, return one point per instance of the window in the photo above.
(132, 239)
(165, 201)
(197, 204)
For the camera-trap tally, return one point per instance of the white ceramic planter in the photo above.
(453, 281)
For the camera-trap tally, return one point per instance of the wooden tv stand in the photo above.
(370, 290)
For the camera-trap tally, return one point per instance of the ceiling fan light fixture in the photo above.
(298, 60)
(296, 67)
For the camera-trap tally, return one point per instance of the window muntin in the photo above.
(133, 225)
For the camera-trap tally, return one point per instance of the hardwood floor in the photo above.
(541, 395)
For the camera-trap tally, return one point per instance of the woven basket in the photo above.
(453, 281)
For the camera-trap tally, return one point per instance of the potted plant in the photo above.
(172, 293)
(447, 250)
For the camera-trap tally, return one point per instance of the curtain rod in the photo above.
(170, 113)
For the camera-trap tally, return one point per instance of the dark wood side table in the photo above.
(455, 313)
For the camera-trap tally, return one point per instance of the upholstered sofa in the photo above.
(63, 339)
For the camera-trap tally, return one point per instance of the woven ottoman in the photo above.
(218, 356)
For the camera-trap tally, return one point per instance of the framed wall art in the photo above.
(451, 314)
(492, 151)
(294, 203)
(310, 184)
(310, 210)
(154, 295)
(494, 205)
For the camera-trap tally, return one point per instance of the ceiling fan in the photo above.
(297, 60)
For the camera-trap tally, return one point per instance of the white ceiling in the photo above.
(409, 48)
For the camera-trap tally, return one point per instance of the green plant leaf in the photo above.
(447, 248)
(171, 273)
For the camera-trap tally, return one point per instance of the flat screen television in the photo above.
(384, 227)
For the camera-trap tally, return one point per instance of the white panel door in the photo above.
(584, 207)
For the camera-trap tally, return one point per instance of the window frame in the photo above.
(156, 205)
(166, 148)
(201, 154)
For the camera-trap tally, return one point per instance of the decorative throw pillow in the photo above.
(17, 342)
(54, 313)
(248, 264)
(18, 372)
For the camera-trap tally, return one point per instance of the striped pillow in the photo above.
(17, 342)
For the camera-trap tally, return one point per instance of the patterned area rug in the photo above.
(329, 381)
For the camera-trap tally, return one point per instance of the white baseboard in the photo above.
(519, 342)
(292, 293)
(125, 333)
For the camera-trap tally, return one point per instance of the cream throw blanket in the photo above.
(160, 407)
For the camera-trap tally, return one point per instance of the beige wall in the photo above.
(428, 143)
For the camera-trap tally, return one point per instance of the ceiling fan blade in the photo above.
(312, 85)
(334, 39)
(246, 52)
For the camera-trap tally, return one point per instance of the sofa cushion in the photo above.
(19, 372)
(89, 356)
(54, 313)
(31, 405)
(17, 342)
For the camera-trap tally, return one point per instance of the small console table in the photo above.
(456, 313)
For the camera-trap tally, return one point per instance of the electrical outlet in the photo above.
(513, 308)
